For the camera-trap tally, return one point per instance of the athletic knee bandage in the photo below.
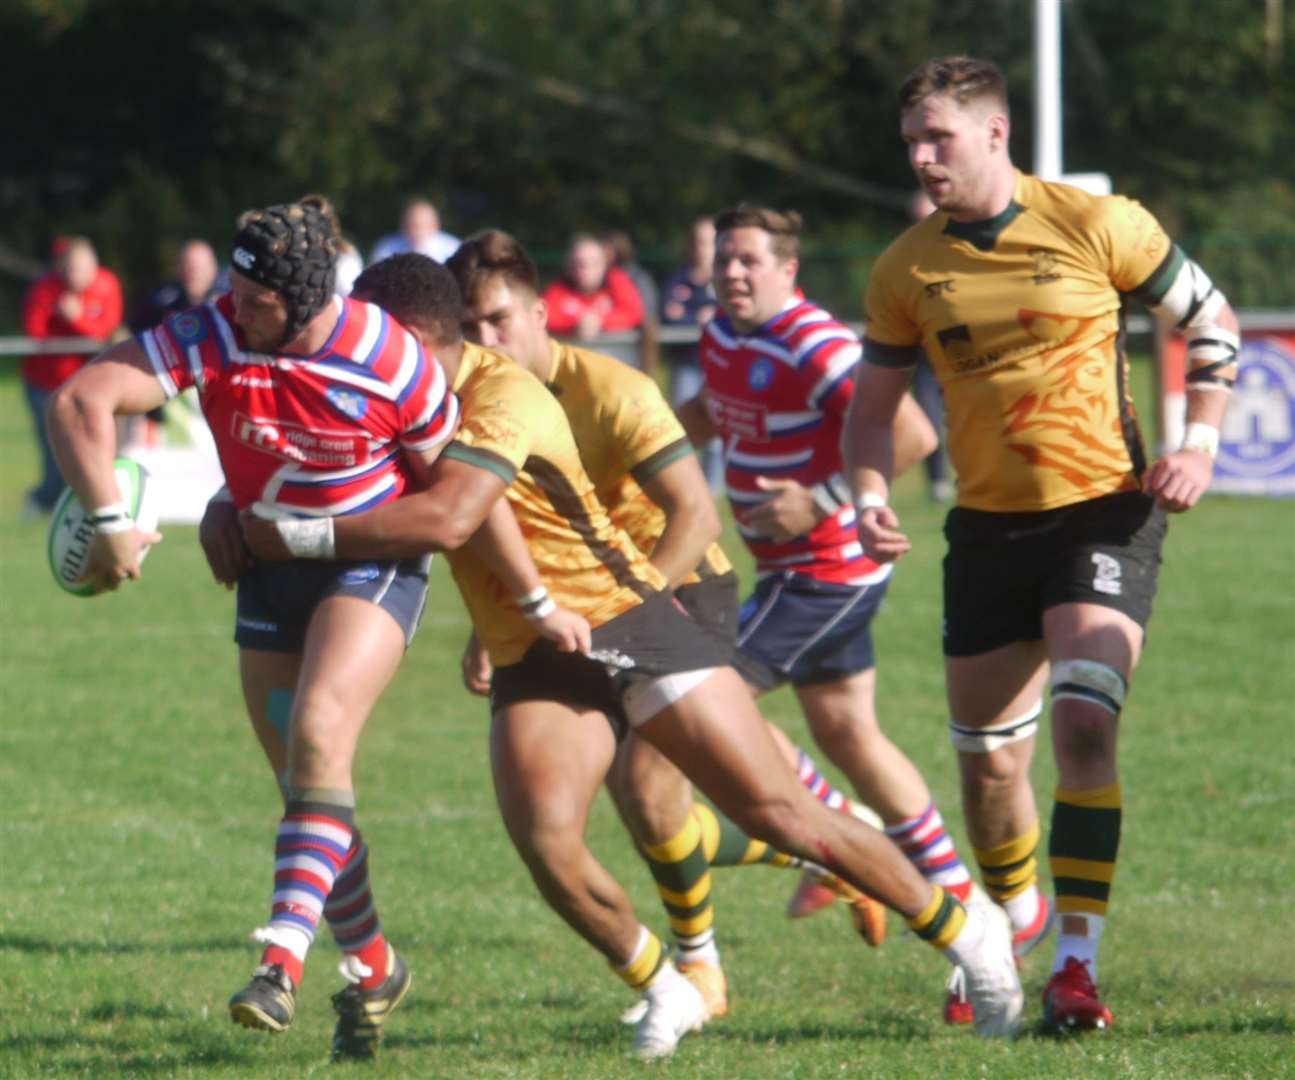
(986, 739)
(644, 698)
(1089, 680)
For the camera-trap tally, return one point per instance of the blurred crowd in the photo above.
(602, 292)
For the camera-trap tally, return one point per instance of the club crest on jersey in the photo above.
(348, 401)
(761, 373)
(243, 258)
(188, 328)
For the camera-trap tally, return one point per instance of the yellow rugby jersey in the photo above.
(625, 432)
(513, 427)
(1021, 318)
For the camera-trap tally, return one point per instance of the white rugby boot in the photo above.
(674, 1008)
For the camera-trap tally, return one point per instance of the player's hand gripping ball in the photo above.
(70, 533)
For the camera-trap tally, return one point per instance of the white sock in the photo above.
(707, 951)
(1023, 907)
(1083, 947)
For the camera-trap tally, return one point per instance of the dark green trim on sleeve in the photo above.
(1153, 290)
(482, 459)
(891, 356)
(667, 455)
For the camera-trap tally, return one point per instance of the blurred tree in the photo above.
(153, 120)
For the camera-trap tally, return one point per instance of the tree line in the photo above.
(142, 122)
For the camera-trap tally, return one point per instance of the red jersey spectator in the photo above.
(78, 298)
(592, 297)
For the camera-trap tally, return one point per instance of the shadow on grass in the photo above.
(29, 944)
(88, 1054)
(581, 1035)
(1220, 1025)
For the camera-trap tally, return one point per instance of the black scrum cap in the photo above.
(291, 249)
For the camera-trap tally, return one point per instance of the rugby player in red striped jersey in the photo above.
(779, 375)
(320, 407)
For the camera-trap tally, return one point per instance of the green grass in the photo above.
(137, 816)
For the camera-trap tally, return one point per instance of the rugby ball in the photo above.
(70, 533)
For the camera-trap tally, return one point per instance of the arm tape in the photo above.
(830, 495)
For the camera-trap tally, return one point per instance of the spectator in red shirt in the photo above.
(593, 298)
(77, 298)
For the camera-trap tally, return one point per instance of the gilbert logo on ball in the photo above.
(71, 534)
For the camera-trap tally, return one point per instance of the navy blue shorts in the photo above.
(277, 600)
(798, 630)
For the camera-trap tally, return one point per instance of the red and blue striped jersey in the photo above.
(318, 435)
(778, 395)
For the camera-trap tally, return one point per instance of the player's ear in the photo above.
(999, 129)
(541, 311)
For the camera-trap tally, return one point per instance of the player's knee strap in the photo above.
(1089, 680)
(986, 739)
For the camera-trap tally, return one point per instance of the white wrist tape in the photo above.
(112, 518)
(309, 538)
(1201, 437)
(536, 604)
(543, 610)
(869, 500)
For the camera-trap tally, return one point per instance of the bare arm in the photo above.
(691, 521)
(869, 451)
(442, 517)
(914, 436)
(1179, 479)
(83, 435)
(83, 413)
(696, 420)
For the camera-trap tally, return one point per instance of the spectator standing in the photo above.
(593, 298)
(622, 256)
(420, 232)
(196, 273)
(77, 298)
(688, 299)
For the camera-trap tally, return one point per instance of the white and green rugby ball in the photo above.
(70, 533)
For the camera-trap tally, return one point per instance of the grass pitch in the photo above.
(137, 819)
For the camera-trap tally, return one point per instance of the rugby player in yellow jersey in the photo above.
(651, 667)
(645, 473)
(1014, 288)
